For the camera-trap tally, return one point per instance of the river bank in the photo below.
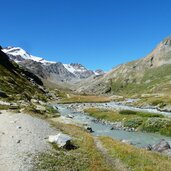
(76, 114)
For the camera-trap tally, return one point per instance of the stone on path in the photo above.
(62, 140)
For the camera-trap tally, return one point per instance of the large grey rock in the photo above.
(167, 108)
(70, 116)
(14, 106)
(161, 146)
(167, 152)
(62, 140)
(3, 94)
(40, 108)
(89, 129)
(34, 101)
(126, 142)
(5, 103)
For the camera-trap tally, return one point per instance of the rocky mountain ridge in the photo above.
(55, 72)
(151, 74)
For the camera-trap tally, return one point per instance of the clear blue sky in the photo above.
(96, 33)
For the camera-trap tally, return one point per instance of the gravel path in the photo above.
(116, 164)
(21, 138)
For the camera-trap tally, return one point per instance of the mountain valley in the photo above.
(116, 120)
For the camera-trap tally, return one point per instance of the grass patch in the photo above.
(127, 112)
(136, 159)
(141, 114)
(153, 80)
(109, 115)
(122, 115)
(86, 157)
(85, 99)
(63, 160)
(4, 107)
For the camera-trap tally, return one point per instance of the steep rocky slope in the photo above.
(18, 83)
(151, 74)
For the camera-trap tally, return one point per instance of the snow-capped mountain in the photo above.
(51, 71)
(18, 54)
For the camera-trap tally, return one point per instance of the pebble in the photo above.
(18, 141)
(18, 127)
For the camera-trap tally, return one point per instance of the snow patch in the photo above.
(69, 68)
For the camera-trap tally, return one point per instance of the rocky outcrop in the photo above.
(3, 94)
(161, 146)
(4, 61)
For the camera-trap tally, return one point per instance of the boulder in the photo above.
(167, 152)
(34, 101)
(166, 108)
(89, 129)
(41, 102)
(70, 116)
(161, 146)
(127, 142)
(62, 140)
(14, 106)
(40, 108)
(149, 147)
(5, 103)
(3, 94)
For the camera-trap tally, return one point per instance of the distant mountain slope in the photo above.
(151, 74)
(55, 72)
(17, 83)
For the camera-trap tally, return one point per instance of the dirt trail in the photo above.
(21, 138)
(116, 164)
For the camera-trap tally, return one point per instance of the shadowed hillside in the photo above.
(17, 83)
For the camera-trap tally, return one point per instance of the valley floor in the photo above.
(24, 147)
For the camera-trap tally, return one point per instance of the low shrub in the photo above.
(142, 114)
(51, 109)
(155, 125)
(156, 102)
(166, 131)
(149, 115)
(127, 112)
(133, 123)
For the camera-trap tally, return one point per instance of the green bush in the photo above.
(158, 102)
(51, 109)
(133, 123)
(127, 112)
(142, 114)
(155, 125)
(149, 115)
(166, 131)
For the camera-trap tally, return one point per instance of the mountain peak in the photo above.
(18, 54)
(167, 41)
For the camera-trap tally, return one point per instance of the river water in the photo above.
(139, 139)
